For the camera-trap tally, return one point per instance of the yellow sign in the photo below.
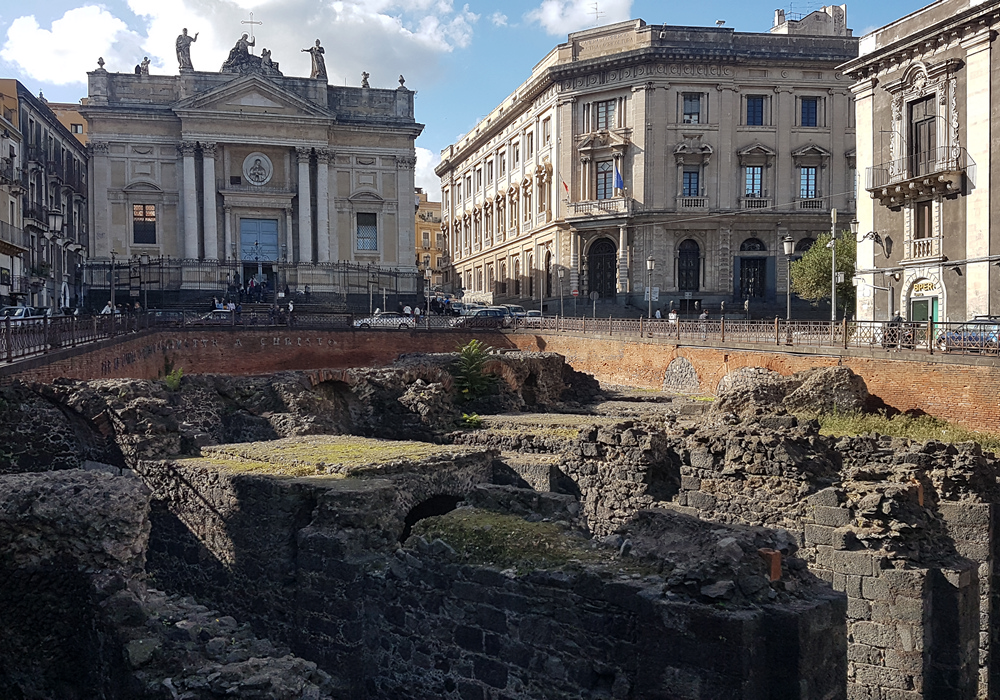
(921, 287)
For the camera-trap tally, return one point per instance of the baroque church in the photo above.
(210, 179)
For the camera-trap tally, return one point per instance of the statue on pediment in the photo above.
(318, 62)
(184, 49)
(242, 62)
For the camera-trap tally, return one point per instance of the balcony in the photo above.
(922, 249)
(615, 206)
(36, 154)
(810, 204)
(755, 202)
(692, 202)
(36, 213)
(12, 239)
(937, 171)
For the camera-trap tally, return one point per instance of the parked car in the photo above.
(515, 310)
(166, 317)
(386, 319)
(978, 335)
(532, 317)
(489, 317)
(22, 314)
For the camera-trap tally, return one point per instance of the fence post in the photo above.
(930, 337)
(584, 325)
(677, 327)
(722, 326)
(777, 332)
(640, 327)
(72, 331)
(10, 339)
(611, 324)
(845, 332)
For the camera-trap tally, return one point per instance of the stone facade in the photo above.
(258, 175)
(924, 99)
(432, 255)
(43, 169)
(699, 147)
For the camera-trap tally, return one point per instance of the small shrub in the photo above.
(472, 420)
(470, 379)
(173, 379)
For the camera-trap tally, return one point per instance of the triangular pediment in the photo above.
(250, 94)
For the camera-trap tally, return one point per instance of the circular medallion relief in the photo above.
(257, 169)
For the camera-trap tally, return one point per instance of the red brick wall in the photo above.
(227, 351)
(965, 390)
(961, 389)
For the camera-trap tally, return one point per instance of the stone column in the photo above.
(622, 259)
(211, 217)
(229, 253)
(189, 200)
(100, 242)
(322, 205)
(289, 255)
(868, 299)
(305, 212)
(574, 259)
(977, 203)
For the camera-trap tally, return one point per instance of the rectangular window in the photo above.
(606, 114)
(754, 185)
(925, 220)
(440, 240)
(692, 108)
(468, 185)
(529, 147)
(546, 131)
(479, 179)
(810, 111)
(807, 182)
(755, 110)
(144, 224)
(367, 231)
(517, 155)
(76, 128)
(690, 185)
(503, 164)
(489, 173)
(426, 238)
(605, 179)
(458, 192)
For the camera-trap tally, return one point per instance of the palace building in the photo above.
(212, 178)
(692, 151)
(925, 118)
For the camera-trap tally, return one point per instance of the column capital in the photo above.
(100, 148)
(303, 152)
(406, 162)
(187, 148)
(208, 149)
(228, 210)
(324, 155)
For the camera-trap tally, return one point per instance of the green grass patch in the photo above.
(334, 455)
(920, 428)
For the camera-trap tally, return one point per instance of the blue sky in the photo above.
(461, 58)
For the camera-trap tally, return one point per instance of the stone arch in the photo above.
(438, 504)
(681, 377)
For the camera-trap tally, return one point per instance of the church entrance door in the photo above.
(259, 253)
(602, 263)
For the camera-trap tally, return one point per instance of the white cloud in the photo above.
(383, 37)
(498, 19)
(560, 17)
(424, 175)
(58, 56)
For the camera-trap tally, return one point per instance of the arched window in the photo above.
(804, 244)
(753, 245)
(515, 273)
(530, 272)
(503, 278)
(688, 266)
(548, 274)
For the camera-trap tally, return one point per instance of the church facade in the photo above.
(211, 179)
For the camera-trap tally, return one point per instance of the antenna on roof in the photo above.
(597, 14)
(719, 22)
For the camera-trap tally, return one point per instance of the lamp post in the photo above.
(833, 265)
(789, 245)
(114, 309)
(560, 272)
(650, 264)
(55, 217)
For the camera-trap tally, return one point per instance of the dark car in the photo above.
(978, 335)
(482, 318)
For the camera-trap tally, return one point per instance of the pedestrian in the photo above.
(291, 314)
(107, 309)
(407, 311)
(703, 323)
(658, 313)
(672, 318)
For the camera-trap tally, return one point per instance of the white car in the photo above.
(386, 319)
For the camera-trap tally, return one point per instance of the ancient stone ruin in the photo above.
(369, 533)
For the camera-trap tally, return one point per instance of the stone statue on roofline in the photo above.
(318, 62)
(184, 49)
(242, 62)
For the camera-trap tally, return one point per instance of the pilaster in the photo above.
(211, 215)
(305, 212)
(189, 200)
(322, 205)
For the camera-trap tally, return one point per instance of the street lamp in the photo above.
(789, 245)
(650, 264)
(833, 265)
(560, 272)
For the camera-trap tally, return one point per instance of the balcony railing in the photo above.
(36, 154)
(692, 202)
(36, 212)
(599, 207)
(13, 235)
(811, 204)
(755, 202)
(922, 248)
(7, 174)
(936, 171)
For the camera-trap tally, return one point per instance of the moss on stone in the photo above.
(334, 455)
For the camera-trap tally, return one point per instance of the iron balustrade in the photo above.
(941, 159)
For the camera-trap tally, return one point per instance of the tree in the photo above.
(811, 273)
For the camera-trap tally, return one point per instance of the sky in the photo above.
(461, 58)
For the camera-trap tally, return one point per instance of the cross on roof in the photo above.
(251, 22)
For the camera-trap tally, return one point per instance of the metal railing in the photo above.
(614, 205)
(935, 160)
(25, 338)
(13, 234)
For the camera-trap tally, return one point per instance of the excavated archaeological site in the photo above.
(376, 533)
